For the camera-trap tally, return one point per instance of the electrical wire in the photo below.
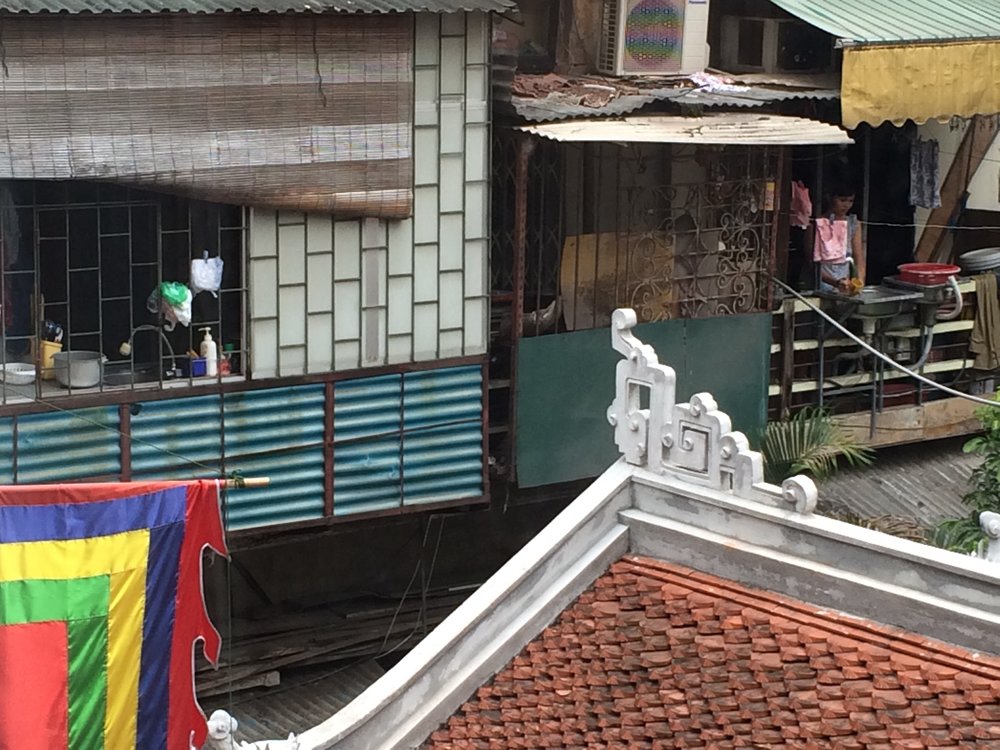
(884, 357)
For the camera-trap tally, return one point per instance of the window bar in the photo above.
(100, 294)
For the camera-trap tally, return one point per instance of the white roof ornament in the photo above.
(989, 522)
(222, 727)
(693, 441)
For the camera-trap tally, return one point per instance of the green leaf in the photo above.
(810, 442)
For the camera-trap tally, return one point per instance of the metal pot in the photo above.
(78, 369)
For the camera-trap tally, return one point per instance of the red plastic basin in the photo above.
(927, 274)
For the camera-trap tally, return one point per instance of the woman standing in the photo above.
(837, 244)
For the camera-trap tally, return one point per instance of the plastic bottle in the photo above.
(210, 353)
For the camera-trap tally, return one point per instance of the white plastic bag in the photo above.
(206, 274)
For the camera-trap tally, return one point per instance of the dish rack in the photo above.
(17, 373)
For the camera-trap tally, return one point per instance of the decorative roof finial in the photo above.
(693, 441)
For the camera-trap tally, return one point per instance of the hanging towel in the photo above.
(802, 207)
(830, 243)
(985, 339)
(924, 189)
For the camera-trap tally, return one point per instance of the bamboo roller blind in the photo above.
(304, 112)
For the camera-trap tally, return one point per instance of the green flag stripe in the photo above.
(88, 682)
(53, 600)
(83, 604)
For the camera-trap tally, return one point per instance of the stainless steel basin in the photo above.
(875, 302)
(125, 373)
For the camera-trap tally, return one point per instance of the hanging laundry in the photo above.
(801, 207)
(924, 189)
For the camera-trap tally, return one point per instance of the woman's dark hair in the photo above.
(841, 190)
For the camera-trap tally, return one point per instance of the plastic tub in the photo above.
(927, 274)
(17, 373)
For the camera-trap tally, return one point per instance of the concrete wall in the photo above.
(328, 294)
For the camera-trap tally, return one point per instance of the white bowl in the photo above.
(18, 373)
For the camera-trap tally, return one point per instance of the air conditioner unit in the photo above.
(774, 45)
(653, 37)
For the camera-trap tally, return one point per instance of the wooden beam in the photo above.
(975, 145)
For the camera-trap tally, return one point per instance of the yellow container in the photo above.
(46, 368)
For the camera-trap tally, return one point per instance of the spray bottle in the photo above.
(210, 353)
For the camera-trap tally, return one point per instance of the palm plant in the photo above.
(811, 443)
(964, 534)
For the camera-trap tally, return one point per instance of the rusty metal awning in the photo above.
(730, 128)
(252, 6)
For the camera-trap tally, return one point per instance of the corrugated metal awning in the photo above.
(911, 59)
(865, 22)
(259, 6)
(557, 107)
(924, 481)
(728, 128)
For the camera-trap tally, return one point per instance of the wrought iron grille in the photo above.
(674, 232)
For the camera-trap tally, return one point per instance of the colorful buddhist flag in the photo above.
(100, 606)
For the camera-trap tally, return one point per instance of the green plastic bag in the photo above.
(174, 293)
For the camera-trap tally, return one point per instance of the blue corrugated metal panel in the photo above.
(439, 456)
(6, 451)
(277, 433)
(443, 440)
(176, 438)
(366, 423)
(58, 446)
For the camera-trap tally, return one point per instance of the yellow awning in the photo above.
(919, 81)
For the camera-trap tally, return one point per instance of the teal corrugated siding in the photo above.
(176, 438)
(443, 439)
(366, 444)
(277, 433)
(6, 451)
(61, 446)
(437, 457)
(901, 20)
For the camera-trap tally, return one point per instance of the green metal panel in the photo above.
(565, 384)
(864, 21)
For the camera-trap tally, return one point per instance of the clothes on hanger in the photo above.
(925, 191)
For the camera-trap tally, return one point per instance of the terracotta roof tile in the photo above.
(659, 657)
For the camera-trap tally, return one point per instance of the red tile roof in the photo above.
(654, 657)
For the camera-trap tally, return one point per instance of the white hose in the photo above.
(885, 358)
(952, 314)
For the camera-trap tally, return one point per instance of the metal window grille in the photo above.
(672, 232)
(87, 256)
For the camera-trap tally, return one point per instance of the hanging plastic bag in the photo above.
(173, 300)
(206, 274)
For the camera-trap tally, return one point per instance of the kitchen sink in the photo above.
(126, 373)
(874, 302)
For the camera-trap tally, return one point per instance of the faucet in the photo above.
(126, 346)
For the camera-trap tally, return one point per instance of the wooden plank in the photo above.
(788, 355)
(975, 145)
(848, 381)
(908, 424)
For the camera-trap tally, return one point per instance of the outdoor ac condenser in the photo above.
(653, 37)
